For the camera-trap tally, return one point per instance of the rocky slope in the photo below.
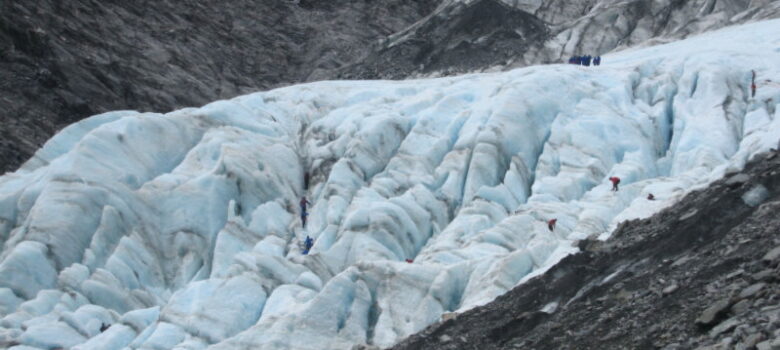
(464, 35)
(702, 274)
(61, 61)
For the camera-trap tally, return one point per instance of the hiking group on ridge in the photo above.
(585, 60)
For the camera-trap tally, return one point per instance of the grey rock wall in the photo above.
(61, 61)
(471, 35)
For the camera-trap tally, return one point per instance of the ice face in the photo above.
(182, 230)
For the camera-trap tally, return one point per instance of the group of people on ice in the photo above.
(309, 242)
(585, 60)
(615, 182)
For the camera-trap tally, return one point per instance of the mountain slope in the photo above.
(457, 37)
(471, 35)
(181, 229)
(61, 61)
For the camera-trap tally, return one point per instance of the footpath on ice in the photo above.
(181, 230)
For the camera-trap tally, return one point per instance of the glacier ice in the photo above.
(181, 229)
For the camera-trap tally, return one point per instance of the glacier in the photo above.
(181, 230)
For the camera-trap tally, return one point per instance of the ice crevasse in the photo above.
(181, 230)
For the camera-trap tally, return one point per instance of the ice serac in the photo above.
(181, 230)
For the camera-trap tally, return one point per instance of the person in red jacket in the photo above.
(303, 204)
(753, 85)
(615, 181)
(304, 214)
(551, 224)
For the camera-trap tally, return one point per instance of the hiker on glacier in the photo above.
(753, 85)
(307, 244)
(304, 202)
(597, 61)
(615, 181)
(304, 214)
(551, 224)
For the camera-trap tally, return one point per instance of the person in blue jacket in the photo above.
(307, 244)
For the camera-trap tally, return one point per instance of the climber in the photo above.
(104, 327)
(551, 224)
(597, 61)
(650, 197)
(303, 218)
(303, 204)
(304, 214)
(586, 61)
(409, 261)
(753, 85)
(307, 244)
(615, 181)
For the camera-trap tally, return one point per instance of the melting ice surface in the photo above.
(181, 229)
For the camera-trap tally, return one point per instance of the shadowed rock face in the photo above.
(695, 274)
(463, 36)
(61, 61)
(459, 37)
